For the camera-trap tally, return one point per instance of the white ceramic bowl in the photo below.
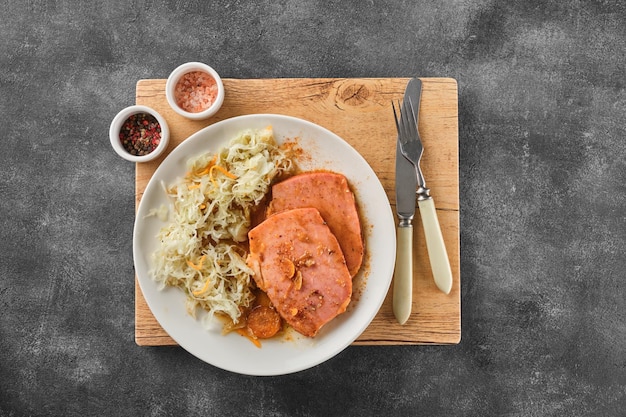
(118, 122)
(176, 75)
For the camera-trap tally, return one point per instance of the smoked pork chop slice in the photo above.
(330, 194)
(297, 261)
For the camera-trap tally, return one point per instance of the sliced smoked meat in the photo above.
(297, 261)
(330, 194)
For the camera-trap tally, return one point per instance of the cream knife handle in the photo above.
(439, 262)
(403, 275)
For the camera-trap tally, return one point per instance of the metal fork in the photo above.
(410, 143)
(412, 149)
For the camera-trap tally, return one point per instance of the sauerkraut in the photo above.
(201, 250)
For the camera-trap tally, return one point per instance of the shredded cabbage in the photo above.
(201, 249)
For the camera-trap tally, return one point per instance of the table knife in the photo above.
(406, 183)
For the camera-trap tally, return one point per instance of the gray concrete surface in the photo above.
(542, 111)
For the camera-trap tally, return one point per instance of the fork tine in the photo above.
(395, 116)
(406, 124)
(412, 126)
(400, 118)
(412, 135)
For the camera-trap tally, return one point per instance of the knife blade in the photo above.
(406, 183)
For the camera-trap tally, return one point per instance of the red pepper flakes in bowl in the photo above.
(194, 90)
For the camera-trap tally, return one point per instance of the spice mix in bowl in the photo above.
(139, 134)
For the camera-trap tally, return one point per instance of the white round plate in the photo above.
(292, 353)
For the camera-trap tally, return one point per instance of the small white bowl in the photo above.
(176, 75)
(116, 127)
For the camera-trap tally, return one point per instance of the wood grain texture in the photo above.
(359, 111)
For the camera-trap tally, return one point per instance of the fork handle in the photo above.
(439, 262)
(403, 275)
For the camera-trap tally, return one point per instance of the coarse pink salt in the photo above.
(195, 91)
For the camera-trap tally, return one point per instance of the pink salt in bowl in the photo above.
(195, 90)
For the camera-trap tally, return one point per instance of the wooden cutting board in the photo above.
(359, 111)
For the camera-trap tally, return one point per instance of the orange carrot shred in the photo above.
(203, 170)
(194, 266)
(203, 289)
(223, 171)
